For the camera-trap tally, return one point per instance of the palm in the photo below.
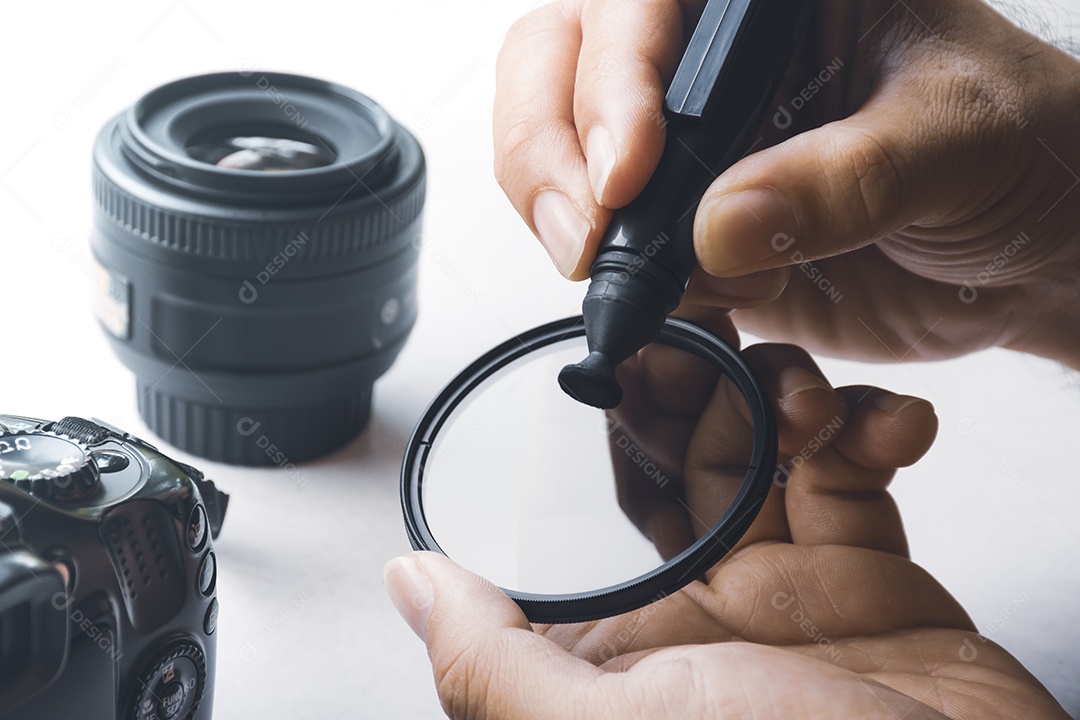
(817, 612)
(821, 592)
(784, 649)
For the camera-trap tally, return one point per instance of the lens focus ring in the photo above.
(209, 237)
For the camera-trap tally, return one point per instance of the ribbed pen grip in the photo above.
(256, 437)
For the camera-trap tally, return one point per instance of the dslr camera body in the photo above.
(108, 576)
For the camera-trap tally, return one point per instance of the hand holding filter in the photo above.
(579, 513)
(728, 74)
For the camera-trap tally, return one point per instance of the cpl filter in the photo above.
(258, 236)
(580, 513)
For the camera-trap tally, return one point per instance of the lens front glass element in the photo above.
(261, 153)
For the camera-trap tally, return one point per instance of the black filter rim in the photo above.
(669, 577)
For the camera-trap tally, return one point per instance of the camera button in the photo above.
(172, 687)
(210, 623)
(196, 528)
(110, 461)
(172, 700)
(208, 574)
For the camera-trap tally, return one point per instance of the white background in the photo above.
(306, 630)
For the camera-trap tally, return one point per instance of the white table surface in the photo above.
(306, 630)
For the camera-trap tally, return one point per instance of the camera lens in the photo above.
(257, 241)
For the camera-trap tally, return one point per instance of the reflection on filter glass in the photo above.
(543, 495)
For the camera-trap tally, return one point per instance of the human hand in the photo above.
(818, 614)
(682, 439)
(926, 177)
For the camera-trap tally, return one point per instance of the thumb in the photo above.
(488, 663)
(829, 191)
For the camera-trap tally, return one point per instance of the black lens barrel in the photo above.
(256, 308)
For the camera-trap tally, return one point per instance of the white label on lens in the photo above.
(111, 299)
(390, 312)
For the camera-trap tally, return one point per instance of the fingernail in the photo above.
(738, 231)
(795, 380)
(411, 593)
(601, 155)
(562, 229)
(895, 403)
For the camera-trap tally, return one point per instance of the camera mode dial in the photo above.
(48, 466)
(172, 687)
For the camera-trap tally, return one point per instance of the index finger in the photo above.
(577, 79)
(538, 159)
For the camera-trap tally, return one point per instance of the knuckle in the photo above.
(674, 690)
(534, 26)
(882, 189)
(462, 685)
(513, 145)
(474, 684)
(880, 179)
(972, 104)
